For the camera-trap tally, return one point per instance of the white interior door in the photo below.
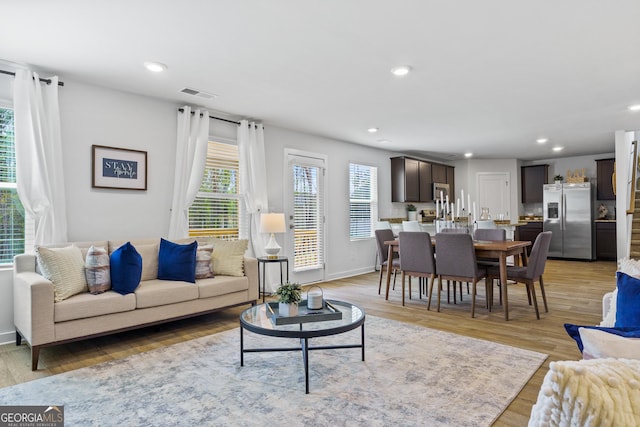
(494, 193)
(305, 215)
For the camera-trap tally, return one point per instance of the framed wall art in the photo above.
(119, 168)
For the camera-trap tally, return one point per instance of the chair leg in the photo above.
(395, 273)
(402, 277)
(439, 291)
(433, 278)
(409, 287)
(380, 281)
(448, 291)
(473, 298)
(544, 297)
(533, 297)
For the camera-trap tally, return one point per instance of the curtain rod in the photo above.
(47, 81)
(212, 117)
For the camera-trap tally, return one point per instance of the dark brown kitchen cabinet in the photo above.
(451, 179)
(606, 241)
(605, 169)
(412, 179)
(529, 232)
(533, 178)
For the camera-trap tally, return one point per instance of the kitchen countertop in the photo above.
(605, 220)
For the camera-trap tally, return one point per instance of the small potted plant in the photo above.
(558, 179)
(289, 295)
(412, 215)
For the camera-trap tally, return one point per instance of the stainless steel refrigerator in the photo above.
(568, 214)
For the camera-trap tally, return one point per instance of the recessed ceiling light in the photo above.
(156, 67)
(384, 141)
(372, 130)
(634, 107)
(557, 148)
(401, 70)
(541, 140)
(467, 155)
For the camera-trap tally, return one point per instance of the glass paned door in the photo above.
(305, 217)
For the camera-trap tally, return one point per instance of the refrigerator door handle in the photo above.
(564, 211)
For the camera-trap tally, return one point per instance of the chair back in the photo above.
(411, 226)
(383, 250)
(538, 256)
(492, 234)
(416, 252)
(482, 224)
(455, 255)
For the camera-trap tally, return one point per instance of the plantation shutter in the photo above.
(217, 209)
(363, 201)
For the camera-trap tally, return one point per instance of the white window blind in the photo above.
(12, 215)
(363, 200)
(217, 210)
(308, 217)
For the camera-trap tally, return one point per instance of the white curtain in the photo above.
(39, 163)
(253, 179)
(191, 157)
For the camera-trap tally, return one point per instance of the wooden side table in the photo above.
(266, 260)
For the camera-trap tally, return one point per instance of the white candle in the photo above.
(462, 198)
(475, 213)
(451, 212)
(458, 207)
(468, 201)
(437, 210)
(441, 198)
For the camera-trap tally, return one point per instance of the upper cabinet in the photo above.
(533, 178)
(412, 180)
(604, 189)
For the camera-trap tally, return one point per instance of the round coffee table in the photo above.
(257, 319)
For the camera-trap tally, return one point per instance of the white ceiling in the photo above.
(488, 76)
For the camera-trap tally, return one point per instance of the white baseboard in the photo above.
(350, 273)
(8, 337)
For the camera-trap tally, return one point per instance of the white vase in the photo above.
(413, 215)
(287, 309)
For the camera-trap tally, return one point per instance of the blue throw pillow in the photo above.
(574, 332)
(628, 302)
(126, 269)
(177, 262)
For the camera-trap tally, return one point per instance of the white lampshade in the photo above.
(272, 223)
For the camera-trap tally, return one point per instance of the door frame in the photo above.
(287, 203)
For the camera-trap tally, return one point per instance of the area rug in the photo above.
(412, 376)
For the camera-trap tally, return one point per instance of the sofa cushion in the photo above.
(177, 262)
(64, 267)
(221, 285)
(86, 305)
(152, 293)
(126, 269)
(596, 341)
(228, 256)
(149, 254)
(96, 269)
(203, 261)
(628, 301)
(115, 244)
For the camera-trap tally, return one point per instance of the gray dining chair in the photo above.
(382, 236)
(530, 273)
(456, 261)
(492, 234)
(417, 260)
(455, 230)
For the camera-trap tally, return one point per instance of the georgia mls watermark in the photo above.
(32, 416)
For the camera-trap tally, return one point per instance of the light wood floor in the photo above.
(574, 291)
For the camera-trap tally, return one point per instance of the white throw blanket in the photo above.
(597, 392)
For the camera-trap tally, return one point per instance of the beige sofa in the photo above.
(43, 323)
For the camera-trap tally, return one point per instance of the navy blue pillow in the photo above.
(628, 302)
(573, 331)
(126, 269)
(177, 262)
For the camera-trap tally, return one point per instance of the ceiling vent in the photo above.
(198, 93)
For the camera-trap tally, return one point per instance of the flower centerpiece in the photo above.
(289, 295)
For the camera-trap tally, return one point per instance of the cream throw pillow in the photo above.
(228, 256)
(149, 254)
(64, 267)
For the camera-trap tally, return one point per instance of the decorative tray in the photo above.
(305, 315)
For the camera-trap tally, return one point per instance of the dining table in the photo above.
(499, 250)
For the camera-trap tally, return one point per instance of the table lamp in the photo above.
(272, 223)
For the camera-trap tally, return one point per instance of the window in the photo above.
(363, 200)
(12, 216)
(217, 210)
